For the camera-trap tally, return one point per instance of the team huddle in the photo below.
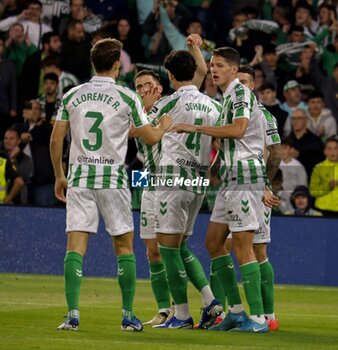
(174, 135)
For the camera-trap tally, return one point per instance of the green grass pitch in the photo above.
(32, 306)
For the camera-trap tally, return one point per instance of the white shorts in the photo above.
(240, 207)
(147, 217)
(262, 235)
(176, 211)
(84, 207)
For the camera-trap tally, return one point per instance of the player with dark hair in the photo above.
(147, 84)
(239, 204)
(183, 157)
(99, 114)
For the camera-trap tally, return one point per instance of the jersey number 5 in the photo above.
(95, 130)
(194, 139)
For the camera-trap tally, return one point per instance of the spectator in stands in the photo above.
(258, 63)
(109, 10)
(267, 96)
(201, 10)
(49, 100)
(210, 89)
(281, 74)
(30, 19)
(327, 85)
(260, 78)
(308, 145)
(303, 18)
(293, 101)
(324, 180)
(10, 182)
(52, 12)
(22, 163)
(294, 174)
(9, 8)
(301, 202)
(51, 64)
(237, 29)
(154, 41)
(35, 138)
(18, 47)
(177, 40)
(75, 52)
(8, 94)
(326, 16)
(290, 47)
(302, 73)
(79, 12)
(129, 39)
(245, 39)
(144, 8)
(32, 74)
(329, 57)
(321, 121)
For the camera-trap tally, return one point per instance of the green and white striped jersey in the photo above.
(243, 158)
(186, 156)
(151, 154)
(100, 113)
(270, 126)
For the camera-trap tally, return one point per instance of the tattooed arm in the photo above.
(273, 161)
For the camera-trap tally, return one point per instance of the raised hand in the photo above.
(194, 39)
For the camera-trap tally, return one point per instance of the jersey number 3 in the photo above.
(95, 129)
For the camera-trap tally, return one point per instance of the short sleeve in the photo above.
(242, 101)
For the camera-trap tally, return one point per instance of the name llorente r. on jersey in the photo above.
(100, 113)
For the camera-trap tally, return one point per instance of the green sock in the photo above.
(267, 286)
(176, 274)
(126, 276)
(159, 284)
(251, 278)
(225, 271)
(193, 267)
(73, 278)
(216, 287)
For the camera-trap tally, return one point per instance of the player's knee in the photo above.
(260, 253)
(213, 248)
(153, 255)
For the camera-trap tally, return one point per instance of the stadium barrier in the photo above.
(32, 240)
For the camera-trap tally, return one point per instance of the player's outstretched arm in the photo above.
(56, 147)
(233, 131)
(194, 41)
(151, 134)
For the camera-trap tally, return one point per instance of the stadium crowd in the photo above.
(291, 45)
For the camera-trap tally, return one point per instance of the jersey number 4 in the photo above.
(95, 129)
(194, 140)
